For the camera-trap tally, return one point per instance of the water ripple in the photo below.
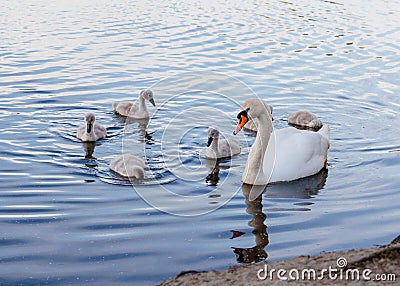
(66, 218)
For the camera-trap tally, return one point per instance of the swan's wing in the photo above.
(133, 108)
(124, 108)
(117, 164)
(131, 160)
(127, 165)
(234, 143)
(81, 130)
(294, 154)
(100, 129)
(228, 147)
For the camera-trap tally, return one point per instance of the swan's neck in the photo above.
(142, 104)
(214, 145)
(253, 173)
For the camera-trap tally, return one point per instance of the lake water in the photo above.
(66, 219)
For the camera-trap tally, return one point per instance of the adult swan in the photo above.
(283, 155)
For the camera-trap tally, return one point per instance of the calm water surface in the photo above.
(66, 219)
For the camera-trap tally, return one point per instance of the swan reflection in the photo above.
(256, 253)
(135, 126)
(214, 166)
(139, 125)
(89, 149)
(305, 188)
(212, 178)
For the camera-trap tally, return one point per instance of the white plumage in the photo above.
(282, 155)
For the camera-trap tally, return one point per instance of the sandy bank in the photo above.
(376, 264)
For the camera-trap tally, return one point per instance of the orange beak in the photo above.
(242, 121)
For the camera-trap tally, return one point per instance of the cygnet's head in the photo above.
(148, 95)
(213, 133)
(89, 117)
(270, 108)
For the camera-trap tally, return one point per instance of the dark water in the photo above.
(67, 219)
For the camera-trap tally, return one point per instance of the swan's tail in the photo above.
(324, 131)
(316, 123)
(115, 104)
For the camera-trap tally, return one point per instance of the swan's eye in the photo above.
(241, 115)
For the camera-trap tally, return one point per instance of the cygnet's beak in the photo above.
(242, 121)
(89, 127)
(152, 101)
(210, 139)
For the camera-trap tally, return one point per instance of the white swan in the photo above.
(220, 148)
(128, 166)
(283, 155)
(134, 110)
(251, 126)
(304, 118)
(92, 130)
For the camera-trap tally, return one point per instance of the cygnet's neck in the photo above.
(253, 172)
(214, 145)
(142, 104)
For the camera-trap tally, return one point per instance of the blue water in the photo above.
(67, 219)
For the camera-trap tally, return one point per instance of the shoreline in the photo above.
(376, 266)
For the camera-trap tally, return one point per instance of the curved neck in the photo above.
(142, 103)
(253, 173)
(214, 145)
